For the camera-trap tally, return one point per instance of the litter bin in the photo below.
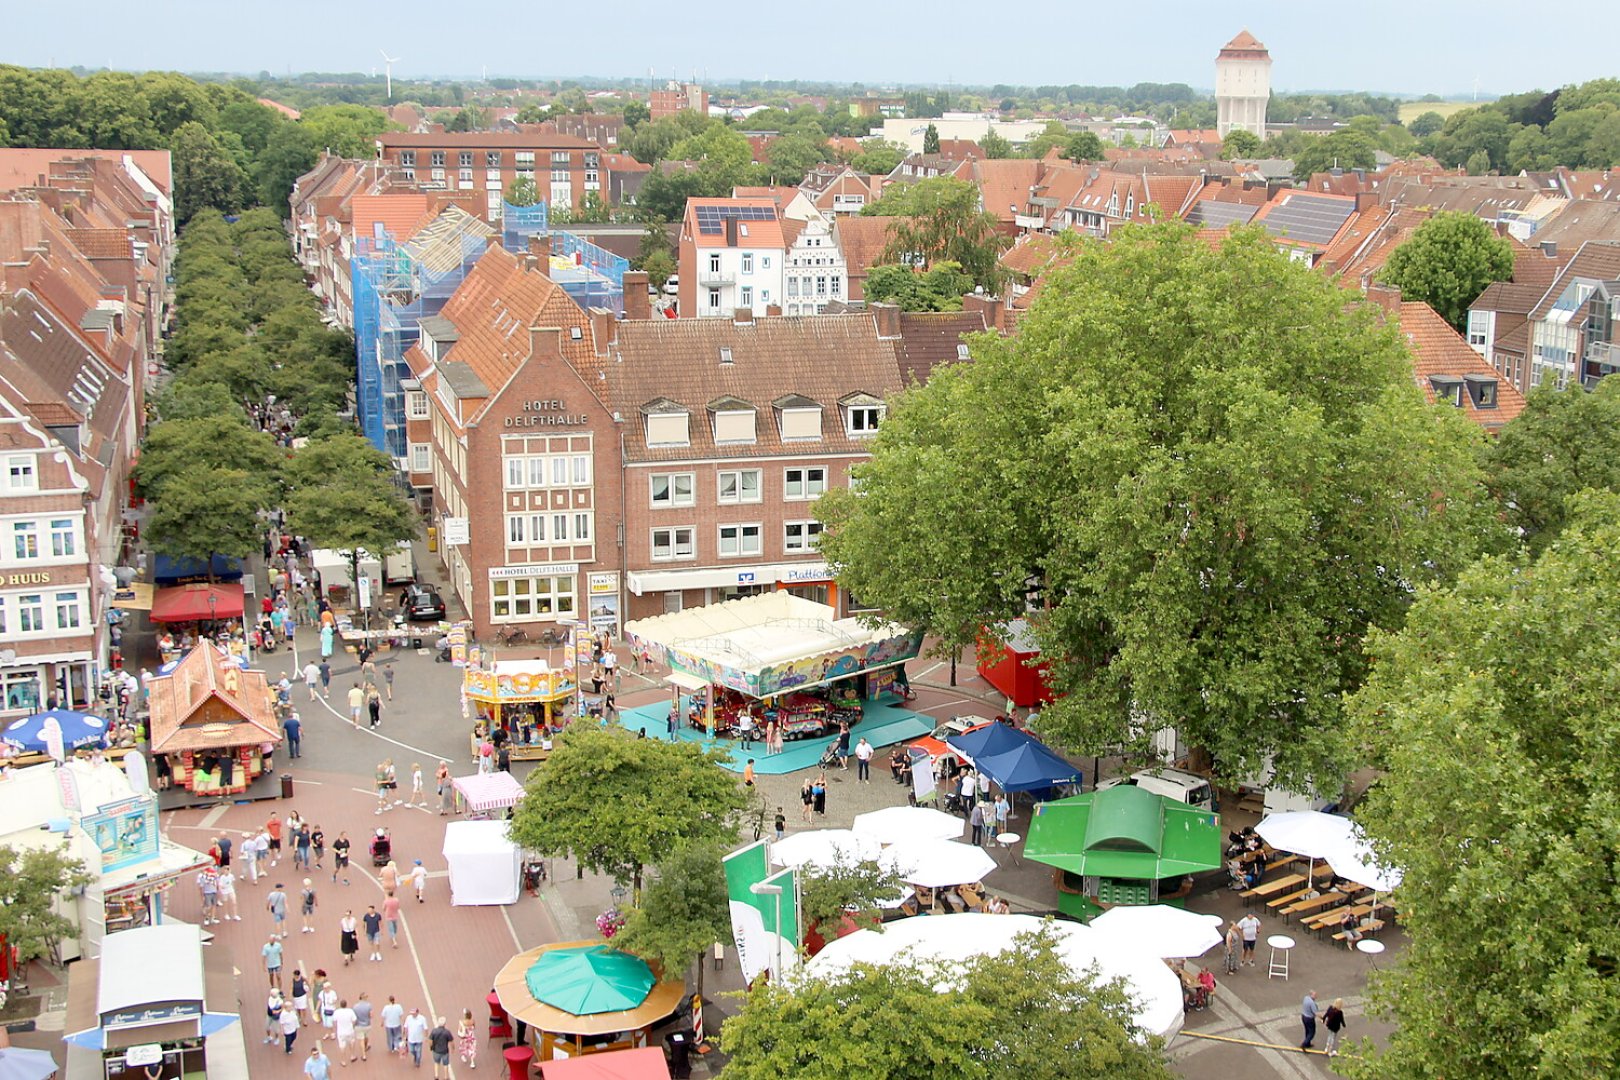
(679, 1044)
(286, 785)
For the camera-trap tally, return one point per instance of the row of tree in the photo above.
(1576, 126)
(249, 331)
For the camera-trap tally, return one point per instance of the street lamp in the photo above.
(760, 888)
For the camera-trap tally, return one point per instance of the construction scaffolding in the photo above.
(396, 285)
(592, 275)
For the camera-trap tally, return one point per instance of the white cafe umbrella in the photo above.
(895, 824)
(1356, 860)
(938, 864)
(16, 1063)
(1310, 833)
(823, 847)
(1166, 932)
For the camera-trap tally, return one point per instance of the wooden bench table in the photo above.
(1272, 888)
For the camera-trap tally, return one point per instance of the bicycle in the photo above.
(511, 635)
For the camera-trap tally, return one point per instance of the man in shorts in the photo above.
(343, 1025)
(272, 961)
(357, 704)
(373, 921)
(272, 829)
(276, 905)
(439, 1041)
(340, 857)
(1251, 933)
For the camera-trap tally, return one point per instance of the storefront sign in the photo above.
(457, 532)
(546, 414)
(522, 686)
(153, 1014)
(125, 831)
(31, 577)
(795, 575)
(604, 603)
(557, 569)
(146, 1054)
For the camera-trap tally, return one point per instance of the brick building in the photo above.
(563, 167)
(678, 97)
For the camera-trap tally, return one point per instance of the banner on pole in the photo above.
(754, 916)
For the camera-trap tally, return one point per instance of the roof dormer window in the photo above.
(1447, 388)
(668, 423)
(1481, 390)
(799, 417)
(863, 413)
(734, 420)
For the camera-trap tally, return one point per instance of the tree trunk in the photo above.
(701, 958)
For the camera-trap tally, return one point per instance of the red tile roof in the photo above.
(27, 166)
(861, 240)
(1437, 349)
(102, 243)
(766, 234)
(400, 213)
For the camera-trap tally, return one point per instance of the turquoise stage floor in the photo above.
(881, 725)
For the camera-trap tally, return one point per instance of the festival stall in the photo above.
(483, 794)
(485, 866)
(584, 997)
(1122, 845)
(521, 699)
(214, 724)
(1010, 660)
(775, 656)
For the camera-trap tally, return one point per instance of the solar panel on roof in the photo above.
(1216, 215)
(1309, 219)
(711, 219)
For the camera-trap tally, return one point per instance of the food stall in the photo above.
(215, 724)
(584, 997)
(1009, 659)
(777, 655)
(521, 698)
(484, 866)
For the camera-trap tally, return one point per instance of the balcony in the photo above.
(714, 279)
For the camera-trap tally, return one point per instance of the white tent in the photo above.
(938, 864)
(896, 824)
(485, 866)
(824, 848)
(1160, 929)
(955, 939)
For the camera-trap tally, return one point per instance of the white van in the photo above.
(1177, 784)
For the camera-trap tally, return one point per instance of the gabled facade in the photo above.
(732, 255)
(815, 274)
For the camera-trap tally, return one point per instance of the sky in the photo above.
(1393, 46)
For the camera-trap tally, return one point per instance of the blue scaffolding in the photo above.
(593, 276)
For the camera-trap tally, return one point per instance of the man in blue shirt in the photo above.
(293, 728)
(1307, 1016)
(317, 1066)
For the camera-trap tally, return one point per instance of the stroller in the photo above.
(829, 756)
(382, 848)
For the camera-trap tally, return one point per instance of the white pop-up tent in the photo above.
(485, 866)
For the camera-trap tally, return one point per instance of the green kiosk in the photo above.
(1122, 845)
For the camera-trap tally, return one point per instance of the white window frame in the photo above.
(668, 538)
(31, 613)
(416, 406)
(582, 470)
(874, 415)
(421, 457)
(748, 262)
(25, 534)
(64, 534)
(516, 472)
(737, 479)
(519, 599)
(809, 538)
(741, 532)
(805, 488)
(69, 610)
(673, 496)
(22, 473)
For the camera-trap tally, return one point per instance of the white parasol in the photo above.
(823, 847)
(939, 864)
(1310, 833)
(1356, 860)
(897, 824)
(1166, 932)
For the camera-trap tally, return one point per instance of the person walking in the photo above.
(439, 1041)
(967, 790)
(293, 728)
(447, 793)
(1250, 926)
(1333, 1020)
(388, 681)
(362, 1024)
(1000, 811)
(306, 906)
(976, 823)
(417, 794)
(343, 1025)
(326, 677)
(272, 1014)
(327, 1005)
(373, 923)
(1307, 1017)
(390, 912)
(393, 1022)
(748, 774)
(388, 876)
(467, 1039)
(340, 856)
(984, 788)
(374, 707)
(419, 876)
(290, 1024)
(250, 858)
(272, 961)
(863, 761)
(272, 829)
(384, 769)
(357, 703)
(301, 844)
(843, 745)
(1234, 947)
(208, 885)
(226, 903)
(818, 789)
(780, 823)
(300, 996)
(317, 844)
(312, 678)
(317, 1066)
(348, 937)
(807, 798)
(416, 1032)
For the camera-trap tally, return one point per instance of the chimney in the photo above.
(637, 304)
(1549, 248)
(1366, 200)
(888, 320)
(545, 343)
(1387, 297)
(604, 329)
(540, 246)
(986, 306)
(731, 232)
(743, 316)
(773, 310)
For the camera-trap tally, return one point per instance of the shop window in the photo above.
(673, 489)
(802, 536)
(21, 689)
(674, 543)
(739, 486)
(804, 483)
(740, 540)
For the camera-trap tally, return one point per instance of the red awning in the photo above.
(189, 603)
(646, 1063)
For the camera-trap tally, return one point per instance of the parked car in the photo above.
(672, 285)
(421, 603)
(1177, 784)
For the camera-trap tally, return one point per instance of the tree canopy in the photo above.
(1241, 144)
(1022, 1015)
(683, 910)
(939, 288)
(1494, 714)
(1447, 262)
(1214, 472)
(31, 885)
(939, 220)
(342, 496)
(617, 803)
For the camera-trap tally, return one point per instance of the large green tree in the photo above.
(940, 220)
(617, 803)
(1447, 262)
(1214, 472)
(939, 288)
(1083, 146)
(342, 496)
(683, 910)
(205, 176)
(1494, 715)
(1347, 149)
(1022, 1015)
(1565, 441)
(207, 511)
(1241, 144)
(32, 883)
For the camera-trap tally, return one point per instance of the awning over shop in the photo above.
(766, 644)
(487, 792)
(189, 603)
(645, 1063)
(685, 681)
(642, 582)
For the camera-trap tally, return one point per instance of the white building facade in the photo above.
(1242, 86)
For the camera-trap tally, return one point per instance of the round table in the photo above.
(1370, 949)
(1281, 946)
(1007, 840)
(517, 1061)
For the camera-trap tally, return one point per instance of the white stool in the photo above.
(1281, 946)
(1370, 949)
(1007, 840)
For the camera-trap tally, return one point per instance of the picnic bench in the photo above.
(1272, 888)
(1370, 926)
(1322, 921)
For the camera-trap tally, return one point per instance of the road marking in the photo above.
(947, 705)
(930, 671)
(379, 735)
(516, 944)
(210, 819)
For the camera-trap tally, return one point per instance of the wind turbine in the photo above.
(388, 71)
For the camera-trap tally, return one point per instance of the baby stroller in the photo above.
(829, 756)
(382, 848)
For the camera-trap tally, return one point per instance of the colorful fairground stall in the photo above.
(525, 699)
(775, 656)
(213, 728)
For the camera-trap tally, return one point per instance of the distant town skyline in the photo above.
(1444, 47)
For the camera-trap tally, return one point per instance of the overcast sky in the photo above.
(1408, 46)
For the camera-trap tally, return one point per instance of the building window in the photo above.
(525, 159)
(30, 613)
(517, 533)
(801, 423)
(864, 419)
(714, 299)
(20, 474)
(537, 597)
(714, 264)
(514, 472)
(582, 470)
(421, 457)
(837, 285)
(673, 543)
(492, 159)
(748, 263)
(582, 528)
(416, 405)
(739, 486)
(67, 611)
(821, 286)
(802, 536)
(793, 287)
(804, 483)
(407, 158)
(673, 489)
(746, 299)
(466, 159)
(64, 540)
(25, 538)
(559, 159)
(438, 159)
(668, 429)
(738, 540)
(21, 687)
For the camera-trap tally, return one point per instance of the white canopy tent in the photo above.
(485, 866)
(955, 939)
(1160, 929)
(485, 793)
(938, 864)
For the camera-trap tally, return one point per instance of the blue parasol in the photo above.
(78, 729)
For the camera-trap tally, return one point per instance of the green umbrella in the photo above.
(593, 979)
